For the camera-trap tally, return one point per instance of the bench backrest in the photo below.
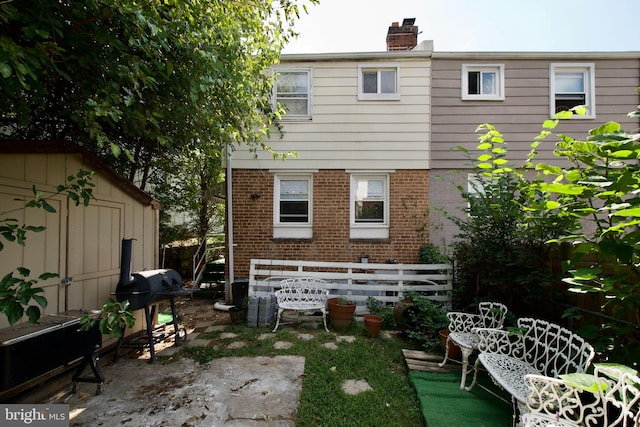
(622, 396)
(616, 404)
(302, 289)
(553, 349)
(492, 314)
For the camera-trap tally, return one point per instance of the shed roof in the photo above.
(90, 159)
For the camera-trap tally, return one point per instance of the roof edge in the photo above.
(67, 147)
(538, 55)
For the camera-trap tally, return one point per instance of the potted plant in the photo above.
(373, 323)
(341, 312)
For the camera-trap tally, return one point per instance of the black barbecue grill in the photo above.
(144, 288)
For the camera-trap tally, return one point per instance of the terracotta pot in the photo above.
(402, 311)
(454, 350)
(341, 315)
(373, 323)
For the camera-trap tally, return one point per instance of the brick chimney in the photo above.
(404, 37)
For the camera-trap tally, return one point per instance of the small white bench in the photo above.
(302, 294)
(540, 348)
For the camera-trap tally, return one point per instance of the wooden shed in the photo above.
(81, 244)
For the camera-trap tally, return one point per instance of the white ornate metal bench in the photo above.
(539, 348)
(302, 294)
(461, 333)
(614, 403)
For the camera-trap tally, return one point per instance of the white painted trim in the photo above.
(464, 78)
(289, 116)
(287, 230)
(368, 230)
(281, 231)
(379, 66)
(590, 86)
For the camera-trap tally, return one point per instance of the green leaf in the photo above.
(33, 313)
(42, 301)
(47, 207)
(633, 212)
(551, 204)
(583, 381)
(5, 70)
(568, 189)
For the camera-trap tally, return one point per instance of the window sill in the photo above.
(292, 232)
(369, 233)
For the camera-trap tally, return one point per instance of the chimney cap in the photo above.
(395, 24)
(408, 21)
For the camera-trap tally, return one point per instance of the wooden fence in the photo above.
(358, 281)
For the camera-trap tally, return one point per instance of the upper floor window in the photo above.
(293, 206)
(292, 92)
(369, 206)
(379, 82)
(483, 82)
(572, 85)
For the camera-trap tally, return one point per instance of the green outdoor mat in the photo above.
(445, 405)
(164, 318)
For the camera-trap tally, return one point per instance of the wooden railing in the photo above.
(357, 281)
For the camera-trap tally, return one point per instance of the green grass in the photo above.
(379, 361)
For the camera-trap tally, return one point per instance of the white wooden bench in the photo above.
(553, 402)
(302, 294)
(539, 348)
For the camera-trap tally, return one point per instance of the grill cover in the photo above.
(146, 287)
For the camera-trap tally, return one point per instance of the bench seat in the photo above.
(536, 347)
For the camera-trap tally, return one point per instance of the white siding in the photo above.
(345, 133)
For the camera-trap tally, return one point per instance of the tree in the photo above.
(598, 194)
(501, 248)
(145, 79)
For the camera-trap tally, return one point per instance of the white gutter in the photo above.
(230, 245)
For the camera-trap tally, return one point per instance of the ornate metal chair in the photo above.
(552, 402)
(492, 315)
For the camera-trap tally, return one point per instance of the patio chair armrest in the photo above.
(499, 341)
(463, 322)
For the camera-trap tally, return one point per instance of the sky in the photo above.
(472, 25)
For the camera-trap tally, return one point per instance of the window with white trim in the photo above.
(369, 206)
(572, 85)
(378, 82)
(293, 206)
(483, 82)
(293, 92)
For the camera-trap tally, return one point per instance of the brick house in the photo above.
(360, 124)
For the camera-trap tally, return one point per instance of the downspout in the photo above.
(230, 244)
